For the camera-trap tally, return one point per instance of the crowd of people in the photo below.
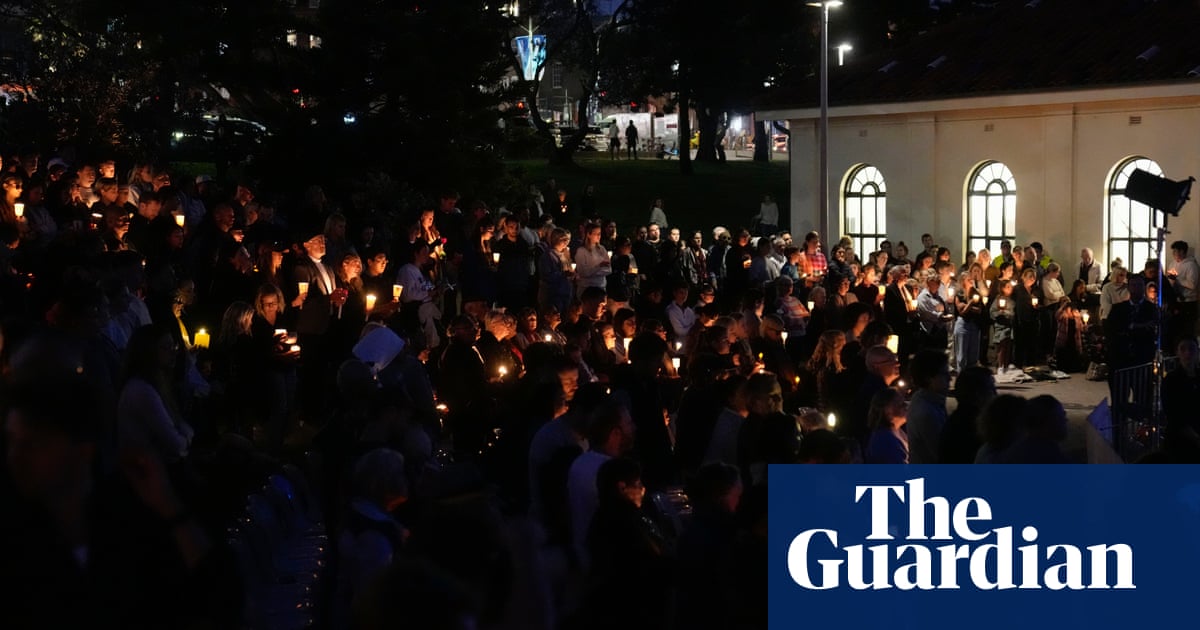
(562, 421)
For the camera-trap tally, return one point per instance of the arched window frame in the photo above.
(864, 203)
(1131, 226)
(991, 207)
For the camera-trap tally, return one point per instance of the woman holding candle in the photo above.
(1003, 314)
(351, 314)
(592, 264)
(1068, 341)
(1026, 327)
(419, 297)
(477, 272)
(527, 329)
(968, 303)
(278, 361)
(554, 277)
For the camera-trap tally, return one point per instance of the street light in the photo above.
(823, 185)
(842, 50)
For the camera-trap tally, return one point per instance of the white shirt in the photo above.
(682, 319)
(324, 273)
(1187, 278)
(1052, 290)
(591, 267)
(768, 213)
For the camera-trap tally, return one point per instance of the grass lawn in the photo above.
(715, 194)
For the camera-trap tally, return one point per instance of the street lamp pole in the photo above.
(823, 132)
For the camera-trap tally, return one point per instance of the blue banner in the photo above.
(979, 547)
(532, 53)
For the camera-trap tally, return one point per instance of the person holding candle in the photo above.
(278, 364)
(419, 299)
(1069, 354)
(1027, 324)
(969, 306)
(554, 279)
(315, 312)
(592, 264)
(477, 274)
(1003, 315)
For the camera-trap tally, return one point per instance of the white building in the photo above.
(1024, 124)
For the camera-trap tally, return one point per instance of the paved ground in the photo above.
(1079, 397)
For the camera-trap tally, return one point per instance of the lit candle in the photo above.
(503, 371)
(893, 343)
(628, 340)
(987, 283)
(371, 301)
(180, 220)
(572, 267)
(396, 289)
(831, 420)
(302, 287)
(442, 408)
(19, 209)
(796, 380)
(675, 362)
(1086, 316)
(549, 338)
(950, 291)
(290, 339)
(280, 332)
(295, 348)
(760, 356)
(900, 384)
(783, 336)
(746, 264)
(633, 270)
(610, 255)
(1002, 302)
(975, 298)
(202, 338)
(1035, 301)
(810, 305)
(678, 346)
(496, 258)
(882, 289)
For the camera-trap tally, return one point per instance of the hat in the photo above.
(203, 179)
(57, 162)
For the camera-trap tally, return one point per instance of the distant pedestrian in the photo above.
(631, 141)
(614, 141)
(768, 216)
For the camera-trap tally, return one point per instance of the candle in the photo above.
(678, 346)
(633, 270)
(396, 289)
(180, 219)
(503, 371)
(572, 267)
(675, 362)
(831, 420)
(987, 283)
(280, 332)
(950, 291)
(295, 348)
(882, 289)
(610, 255)
(19, 209)
(496, 258)
(810, 305)
(746, 264)
(783, 336)
(760, 356)
(628, 340)
(202, 338)
(1035, 301)
(900, 384)
(912, 305)
(796, 380)
(371, 301)
(1086, 316)
(302, 287)
(290, 339)
(975, 298)
(549, 338)
(1002, 302)
(893, 343)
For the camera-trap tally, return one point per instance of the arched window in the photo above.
(865, 201)
(1131, 225)
(991, 207)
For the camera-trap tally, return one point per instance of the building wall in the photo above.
(1061, 156)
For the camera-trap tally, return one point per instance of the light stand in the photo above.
(1166, 197)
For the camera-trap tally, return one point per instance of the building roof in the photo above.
(1022, 46)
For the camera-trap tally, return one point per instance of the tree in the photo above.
(581, 36)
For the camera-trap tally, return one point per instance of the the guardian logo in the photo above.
(976, 551)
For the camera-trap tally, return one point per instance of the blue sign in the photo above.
(980, 547)
(532, 55)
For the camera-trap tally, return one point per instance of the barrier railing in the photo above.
(1137, 424)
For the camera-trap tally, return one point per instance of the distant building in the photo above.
(1023, 122)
